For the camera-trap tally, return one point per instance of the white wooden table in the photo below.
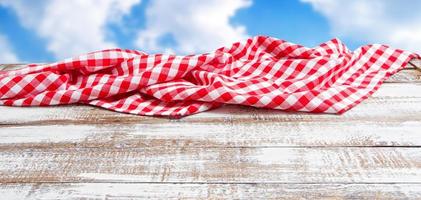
(73, 152)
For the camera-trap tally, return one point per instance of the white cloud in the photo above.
(79, 26)
(393, 22)
(6, 54)
(71, 27)
(195, 26)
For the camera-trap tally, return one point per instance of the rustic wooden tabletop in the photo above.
(370, 152)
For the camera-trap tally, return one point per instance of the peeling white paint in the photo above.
(346, 133)
(111, 177)
(51, 133)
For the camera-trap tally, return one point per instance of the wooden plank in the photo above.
(209, 191)
(237, 134)
(405, 76)
(212, 165)
(395, 102)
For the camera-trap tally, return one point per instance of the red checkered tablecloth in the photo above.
(260, 72)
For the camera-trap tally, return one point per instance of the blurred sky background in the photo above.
(49, 30)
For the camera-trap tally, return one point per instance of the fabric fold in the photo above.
(262, 72)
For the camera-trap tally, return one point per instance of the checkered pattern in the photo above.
(260, 72)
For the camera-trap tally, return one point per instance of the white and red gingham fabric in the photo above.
(260, 72)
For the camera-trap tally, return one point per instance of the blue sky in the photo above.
(51, 30)
(290, 20)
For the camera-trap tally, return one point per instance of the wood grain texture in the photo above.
(201, 135)
(211, 165)
(405, 76)
(209, 191)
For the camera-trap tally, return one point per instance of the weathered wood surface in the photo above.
(210, 191)
(212, 165)
(74, 152)
(270, 134)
